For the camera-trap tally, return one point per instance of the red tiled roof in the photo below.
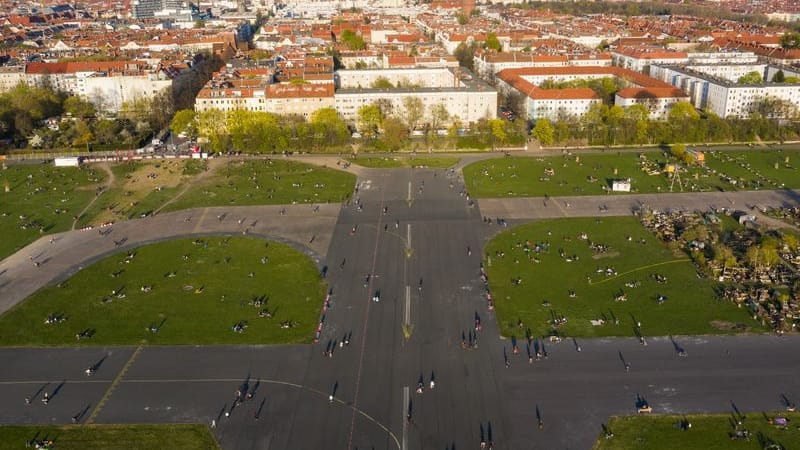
(80, 66)
(514, 78)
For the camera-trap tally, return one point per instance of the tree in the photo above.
(772, 107)
(724, 256)
(751, 78)
(369, 119)
(637, 122)
(779, 76)
(543, 131)
(498, 131)
(352, 40)
(331, 126)
(465, 53)
(439, 115)
(394, 133)
(492, 43)
(790, 40)
(77, 107)
(183, 121)
(83, 134)
(382, 83)
(413, 110)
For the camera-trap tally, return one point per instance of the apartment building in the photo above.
(107, 84)
(555, 104)
(712, 87)
(488, 64)
(465, 97)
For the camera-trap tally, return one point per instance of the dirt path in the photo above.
(213, 165)
(109, 182)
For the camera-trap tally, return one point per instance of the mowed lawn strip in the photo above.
(588, 174)
(267, 182)
(198, 290)
(636, 256)
(110, 437)
(708, 432)
(390, 162)
(41, 199)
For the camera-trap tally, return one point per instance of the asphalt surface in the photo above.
(424, 234)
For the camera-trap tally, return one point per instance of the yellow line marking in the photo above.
(639, 269)
(113, 385)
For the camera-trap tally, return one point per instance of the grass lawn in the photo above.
(544, 292)
(199, 290)
(589, 174)
(708, 432)
(390, 162)
(267, 182)
(110, 437)
(38, 199)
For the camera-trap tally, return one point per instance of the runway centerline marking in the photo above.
(407, 316)
(408, 236)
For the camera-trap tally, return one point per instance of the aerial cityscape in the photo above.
(395, 224)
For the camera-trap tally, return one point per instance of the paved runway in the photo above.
(424, 234)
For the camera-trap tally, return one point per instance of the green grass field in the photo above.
(544, 291)
(40, 199)
(391, 162)
(110, 437)
(267, 182)
(589, 174)
(708, 432)
(199, 289)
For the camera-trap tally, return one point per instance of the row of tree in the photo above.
(380, 128)
(614, 125)
(263, 132)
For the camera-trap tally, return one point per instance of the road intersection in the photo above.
(413, 224)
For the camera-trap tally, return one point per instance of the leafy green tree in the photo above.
(751, 78)
(333, 128)
(492, 43)
(77, 107)
(498, 132)
(352, 40)
(395, 133)
(790, 40)
(779, 77)
(369, 119)
(543, 131)
(637, 123)
(465, 54)
(183, 121)
(83, 134)
(382, 83)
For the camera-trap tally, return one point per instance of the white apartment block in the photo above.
(106, 84)
(466, 106)
(555, 108)
(464, 96)
(658, 101)
(712, 87)
(285, 99)
(11, 76)
(487, 64)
